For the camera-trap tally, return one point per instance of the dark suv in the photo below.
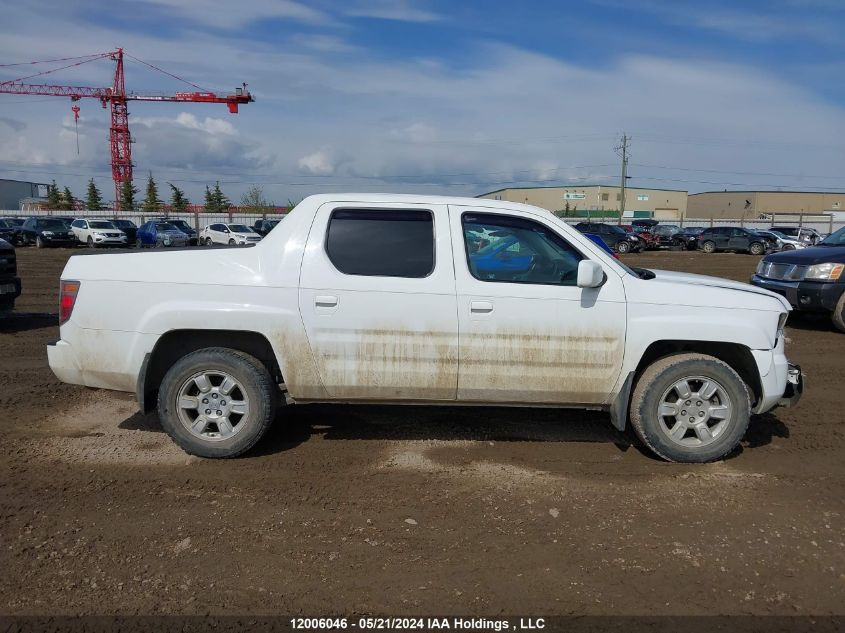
(47, 231)
(614, 236)
(263, 227)
(10, 283)
(812, 279)
(733, 238)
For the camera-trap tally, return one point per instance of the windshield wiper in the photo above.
(643, 273)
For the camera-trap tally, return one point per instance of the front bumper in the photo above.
(794, 386)
(110, 241)
(806, 296)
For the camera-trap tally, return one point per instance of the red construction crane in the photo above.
(116, 98)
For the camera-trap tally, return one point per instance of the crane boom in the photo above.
(116, 97)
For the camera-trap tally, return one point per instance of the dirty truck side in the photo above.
(421, 299)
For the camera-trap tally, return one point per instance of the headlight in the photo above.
(761, 265)
(825, 272)
(782, 322)
(635, 238)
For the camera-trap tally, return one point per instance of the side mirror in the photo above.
(590, 274)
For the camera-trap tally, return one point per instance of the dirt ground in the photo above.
(418, 510)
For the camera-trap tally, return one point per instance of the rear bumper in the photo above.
(62, 361)
(10, 287)
(807, 296)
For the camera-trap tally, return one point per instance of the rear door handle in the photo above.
(481, 307)
(325, 301)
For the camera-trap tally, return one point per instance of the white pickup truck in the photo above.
(422, 299)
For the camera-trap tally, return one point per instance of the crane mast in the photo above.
(116, 98)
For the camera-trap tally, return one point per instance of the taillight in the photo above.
(67, 299)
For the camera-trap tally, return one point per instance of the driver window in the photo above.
(516, 250)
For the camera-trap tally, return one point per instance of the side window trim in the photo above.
(377, 210)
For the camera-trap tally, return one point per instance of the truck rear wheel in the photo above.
(690, 408)
(217, 402)
(709, 247)
(756, 248)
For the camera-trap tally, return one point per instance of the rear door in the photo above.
(377, 298)
(531, 335)
(739, 239)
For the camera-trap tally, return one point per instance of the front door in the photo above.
(527, 333)
(377, 298)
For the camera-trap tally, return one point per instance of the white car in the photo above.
(388, 299)
(94, 232)
(785, 242)
(228, 234)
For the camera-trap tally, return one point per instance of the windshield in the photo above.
(50, 225)
(101, 224)
(123, 224)
(239, 228)
(837, 238)
(165, 226)
(180, 223)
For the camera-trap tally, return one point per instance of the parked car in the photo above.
(263, 227)
(614, 236)
(664, 235)
(802, 234)
(811, 279)
(10, 229)
(183, 226)
(129, 229)
(648, 223)
(10, 283)
(156, 233)
(47, 231)
(783, 242)
(733, 238)
(642, 232)
(596, 239)
(687, 237)
(373, 298)
(95, 232)
(228, 234)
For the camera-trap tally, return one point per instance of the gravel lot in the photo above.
(411, 510)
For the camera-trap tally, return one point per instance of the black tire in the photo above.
(658, 378)
(709, 246)
(622, 246)
(231, 242)
(7, 304)
(39, 243)
(756, 248)
(90, 242)
(209, 242)
(838, 314)
(256, 382)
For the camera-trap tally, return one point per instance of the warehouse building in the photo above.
(757, 204)
(599, 200)
(12, 192)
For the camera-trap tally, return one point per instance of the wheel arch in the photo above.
(736, 355)
(174, 344)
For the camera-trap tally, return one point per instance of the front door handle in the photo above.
(325, 301)
(481, 307)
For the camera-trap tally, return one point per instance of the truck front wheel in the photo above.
(690, 408)
(217, 402)
(838, 314)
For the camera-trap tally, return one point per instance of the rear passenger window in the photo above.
(381, 243)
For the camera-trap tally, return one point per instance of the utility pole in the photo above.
(622, 151)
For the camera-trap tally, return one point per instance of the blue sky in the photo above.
(442, 97)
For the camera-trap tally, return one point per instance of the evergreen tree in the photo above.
(127, 196)
(68, 201)
(151, 202)
(210, 203)
(221, 202)
(178, 200)
(93, 199)
(54, 198)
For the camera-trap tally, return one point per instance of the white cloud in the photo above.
(232, 15)
(398, 10)
(323, 162)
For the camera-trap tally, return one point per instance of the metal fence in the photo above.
(198, 220)
(822, 223)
